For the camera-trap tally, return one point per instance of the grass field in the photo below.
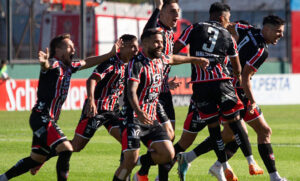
(99, 160)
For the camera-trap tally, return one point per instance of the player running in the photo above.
(54, 82)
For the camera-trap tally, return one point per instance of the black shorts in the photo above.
(244, 114)
(165, 99)
(215, 98)
(193, 122)
(134, 133)
(161, 115)
(46, 133)
(87, 127)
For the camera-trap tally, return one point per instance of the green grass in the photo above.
(99, 160)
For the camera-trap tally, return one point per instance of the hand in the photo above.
(159, 4)
(90, 109)
(43, 57)
(251, 107)
(172, 84)
(116, 47)
(203, 62)
(144, 118)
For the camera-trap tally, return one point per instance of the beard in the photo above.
(155, 52)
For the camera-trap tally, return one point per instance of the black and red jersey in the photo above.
(149, 74)
(111, 85)
(53, 87)
(252, 47)
(210, 40)
(168, 43)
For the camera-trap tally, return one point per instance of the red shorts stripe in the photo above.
(188, 120)
(52, 135)
(124, 140)
(81, 126)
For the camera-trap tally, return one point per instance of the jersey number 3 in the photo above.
(212, 38)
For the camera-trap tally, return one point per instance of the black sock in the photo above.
(116, 178)
(241, 137)
(218, 144)
(178, 148)
(62, 165)
(163, 171)
(22, 166)
(266, 154)
(231, 148)
(204, 147)
(146, 162)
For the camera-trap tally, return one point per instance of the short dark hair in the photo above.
(218, 8)
(273, 20)
(149, 32)
(57, 42)
(166, 2)
(128, 38)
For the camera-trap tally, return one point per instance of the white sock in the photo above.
(274, 175)
(190, 156)
(250, 160)
(226, 166)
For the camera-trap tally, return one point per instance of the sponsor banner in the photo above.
(20, 95)
(276, 89)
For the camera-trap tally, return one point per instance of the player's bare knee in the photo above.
(64, 146)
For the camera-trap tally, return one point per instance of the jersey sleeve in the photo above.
(185, 36)
(134, 70)
(258, 59)
(76, 66)
(103, 69)
(233, 50)
(152, 22)
(241, 28)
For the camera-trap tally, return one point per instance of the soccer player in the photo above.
(54, 82)
(253, 50)
(144, 78)
(104, 88)
(165, 17)
(213, 92)
(252, 44)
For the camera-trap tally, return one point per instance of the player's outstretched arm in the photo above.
(152, 22)
(178, 46)
(44, 59)
(95, 60)
(179, 59)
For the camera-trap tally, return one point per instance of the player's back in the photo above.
(210, 40)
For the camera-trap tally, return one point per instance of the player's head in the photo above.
(62, 47)
(152, 42)
(129, 47)
(220, 12)
(3, 62)
(169, 14)
(273, 28)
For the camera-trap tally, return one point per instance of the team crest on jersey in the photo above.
(156, 78)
